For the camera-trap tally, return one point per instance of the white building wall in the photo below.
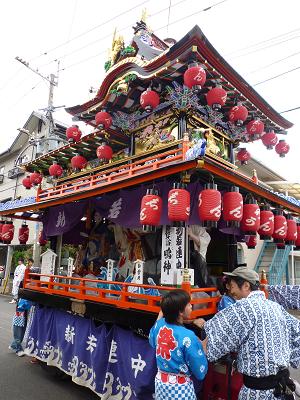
(251, 255)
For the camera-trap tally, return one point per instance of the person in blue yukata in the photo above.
(179, 352)
(19, 326)
(265, 337)
(226, 299)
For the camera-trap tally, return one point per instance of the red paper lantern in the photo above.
(23, 234)
(282, 148)
(291, 234)
(8, 231)
(36, 178)
(55, 170)
(73, 133)
(103, 120)
(78, 162)
(194, 77)
(42, 241)
(209, 208)
(243, 156)
(251, 217)
(269, 139)
(216, 97)
(233, 207)
(149, 100)
(179, 203)
(266, 227)
(280, 227)
(238, 114)
(251, 242)
(255, 128)
(297, 243)
(2, 223)
(104, 152)
(27, 183)
(151, 209)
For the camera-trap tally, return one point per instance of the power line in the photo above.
(291, 109)
(273, 63)
(276, 76)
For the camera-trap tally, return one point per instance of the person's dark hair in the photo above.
(21, 259)
(221, 283)
(30, 259)
(240, 281)
(173, 303)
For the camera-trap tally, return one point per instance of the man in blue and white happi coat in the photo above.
(265, 337)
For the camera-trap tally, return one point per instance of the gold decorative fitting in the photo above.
(200, 164)
(194, 49)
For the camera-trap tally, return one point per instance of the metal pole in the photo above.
(10, 250)
(293, 266)
(49, 131)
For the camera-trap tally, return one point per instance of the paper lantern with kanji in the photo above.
(216, 98)
(78, 162)
(42, 240)
(209, 207)
(255, 128)
(179, 203)
(269, 139)
(8, 231)
(149, 100)
(73, 133)
(55, 170)
(27, 183)
(104, 152)
(2, 223)
(251, 241)
(297, 243)
(194, 77)
(233, 207)
(23, 234)
(243, 156)
(103, 120)
(238, 114)
(266, 227)
(251, 217)
(291, 234)
(151, 209)
(282, 148)
(280, 227)
(36, 178)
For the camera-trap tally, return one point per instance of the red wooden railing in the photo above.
(78, 288)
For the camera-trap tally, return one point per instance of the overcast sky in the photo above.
(250, 35)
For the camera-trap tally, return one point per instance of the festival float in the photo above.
(170, 121)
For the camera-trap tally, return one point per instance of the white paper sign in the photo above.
(172, 254)
(48, 264)
(139, 271)
(180, 276)
(70, 266)
(110, 270)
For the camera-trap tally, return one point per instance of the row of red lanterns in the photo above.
(7, 231)
(33, 179)
(236, 212)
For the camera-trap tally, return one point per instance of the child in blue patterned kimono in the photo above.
(179, 352)
(226, 299)
(19, 326)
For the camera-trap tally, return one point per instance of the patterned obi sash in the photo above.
(166, 377)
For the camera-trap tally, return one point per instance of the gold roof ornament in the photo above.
(145, 15)
(116, 47)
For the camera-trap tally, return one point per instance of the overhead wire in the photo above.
(273, 63)
(276, 76)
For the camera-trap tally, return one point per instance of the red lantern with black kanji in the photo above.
(238, 114)
(297, 243)
(209, 208)
(23, 234)
(291, 234)
(42, 240)
(194, 77)
(179, 203)
(251, 217)
(78, 162)
(243, 156)
(149, 100)
(8, 231)
(27, 183)
(282, 148)
(103, 120)
(216, 98)
(104, 152)
(255, 128)
(280, 226)
(55, 170)
(233, 207)
(151, 209)
(269, 139)
(251, 241)
(266, 227)
(36, 178)
(73, 134)
(2, 223)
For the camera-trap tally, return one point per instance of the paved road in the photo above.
(20, 380)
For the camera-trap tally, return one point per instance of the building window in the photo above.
(2, 174)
